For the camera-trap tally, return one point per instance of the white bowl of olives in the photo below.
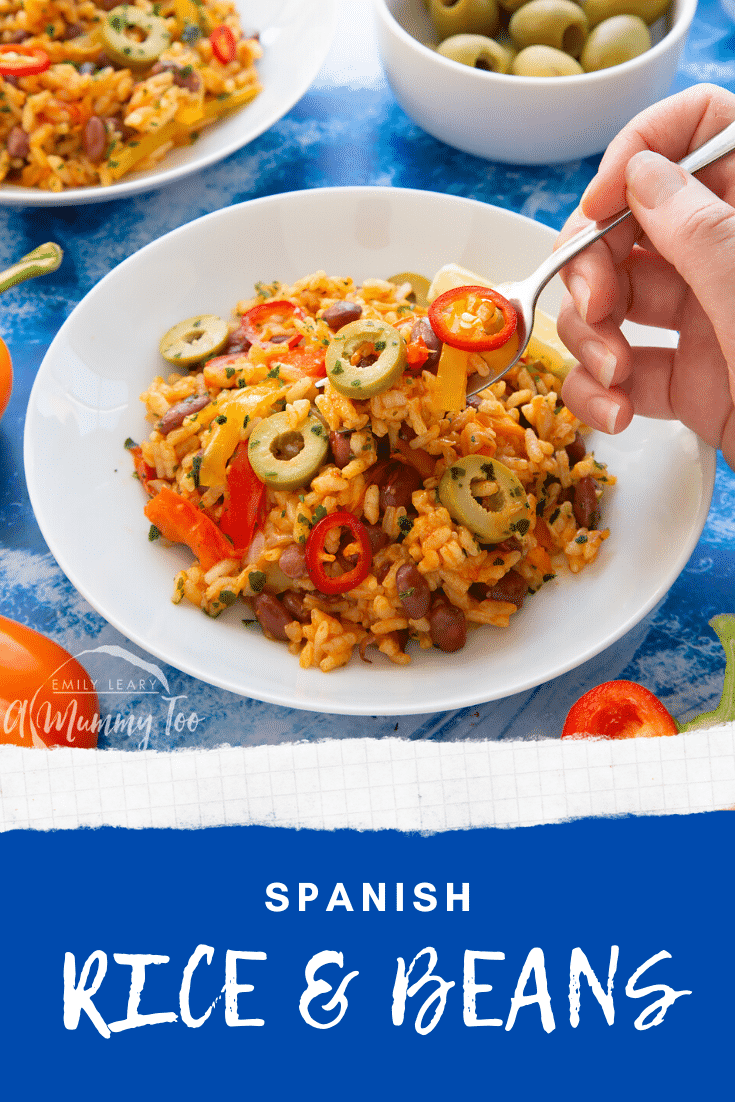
(530, 81)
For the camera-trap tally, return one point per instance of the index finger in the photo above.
(673, 127)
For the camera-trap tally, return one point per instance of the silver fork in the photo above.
(524, 294)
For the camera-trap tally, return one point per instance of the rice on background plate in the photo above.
(85, 118)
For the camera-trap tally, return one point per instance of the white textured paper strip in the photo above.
(369, 784)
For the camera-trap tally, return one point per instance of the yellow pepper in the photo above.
(451, 377)
(232, 408)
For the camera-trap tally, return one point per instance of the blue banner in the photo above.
(585, 960)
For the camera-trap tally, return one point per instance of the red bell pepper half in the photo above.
(466, 318)
(315, 549)
(181, 521)
(245, 508)
(618, 709)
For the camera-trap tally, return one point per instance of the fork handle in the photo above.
(718, 146)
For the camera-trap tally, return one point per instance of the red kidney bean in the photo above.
(511, 587)
(586, 509)
(576, 450)
(183, 75)
(293, 602)
(272, 616)
(72, 30)
(341, 313)
(293, 561)
(397, 484)
(18, 144)
(447, 627)
(378, 538)
(94, 138)
(174, 418)
(382, 571)
(341, 450)
(422, 328)
(413, 590)
(17, 37)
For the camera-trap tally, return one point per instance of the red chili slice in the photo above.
(22, 61)
(273, 318)
(223, 44)
(315, 548)
(455, 318)
(618, 709)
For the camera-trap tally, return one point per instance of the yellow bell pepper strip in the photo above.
(232, 408)
(180, 521)
(450, 393)
(123, 158)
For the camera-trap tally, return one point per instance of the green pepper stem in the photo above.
(46, 258)
(724, 626)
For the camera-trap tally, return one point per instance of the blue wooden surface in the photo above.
(347, 130)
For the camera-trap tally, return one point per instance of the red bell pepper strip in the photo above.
(22, 61)
(266, 315)
(223, 44)
(143, 470)
(245, 509)
(618, 709)
(180, 521)
(315, 549)
(460, 316)
(309, 361)
(416, 354)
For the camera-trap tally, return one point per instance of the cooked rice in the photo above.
(145, 111)
(520, 421)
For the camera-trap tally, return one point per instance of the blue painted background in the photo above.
(592, 884)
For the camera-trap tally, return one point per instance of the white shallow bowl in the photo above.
(295, 35)
(521, 120)
(84, 405)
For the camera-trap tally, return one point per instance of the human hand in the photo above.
(673, 268)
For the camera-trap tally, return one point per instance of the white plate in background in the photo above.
(296, 36)
(84, 405)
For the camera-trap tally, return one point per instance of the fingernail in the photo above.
(603, 412)
(599, 360)
(580, 293)
(651, 179)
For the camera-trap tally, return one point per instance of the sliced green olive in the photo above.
(544, 61)
(419, 284)
(464, 17)
(478, 51)
(192, 340)
(287, 458)
(121, 30)
(379, 352)
(508, 511)
(615, 40)
(558, 23)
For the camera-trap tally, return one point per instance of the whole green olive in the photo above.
(477, 50)
(647, 10)
(464, 17)
(558, 23)
(544, 61)
(511, 5)
(614, 41)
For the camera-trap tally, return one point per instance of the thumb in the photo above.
(691, 228)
